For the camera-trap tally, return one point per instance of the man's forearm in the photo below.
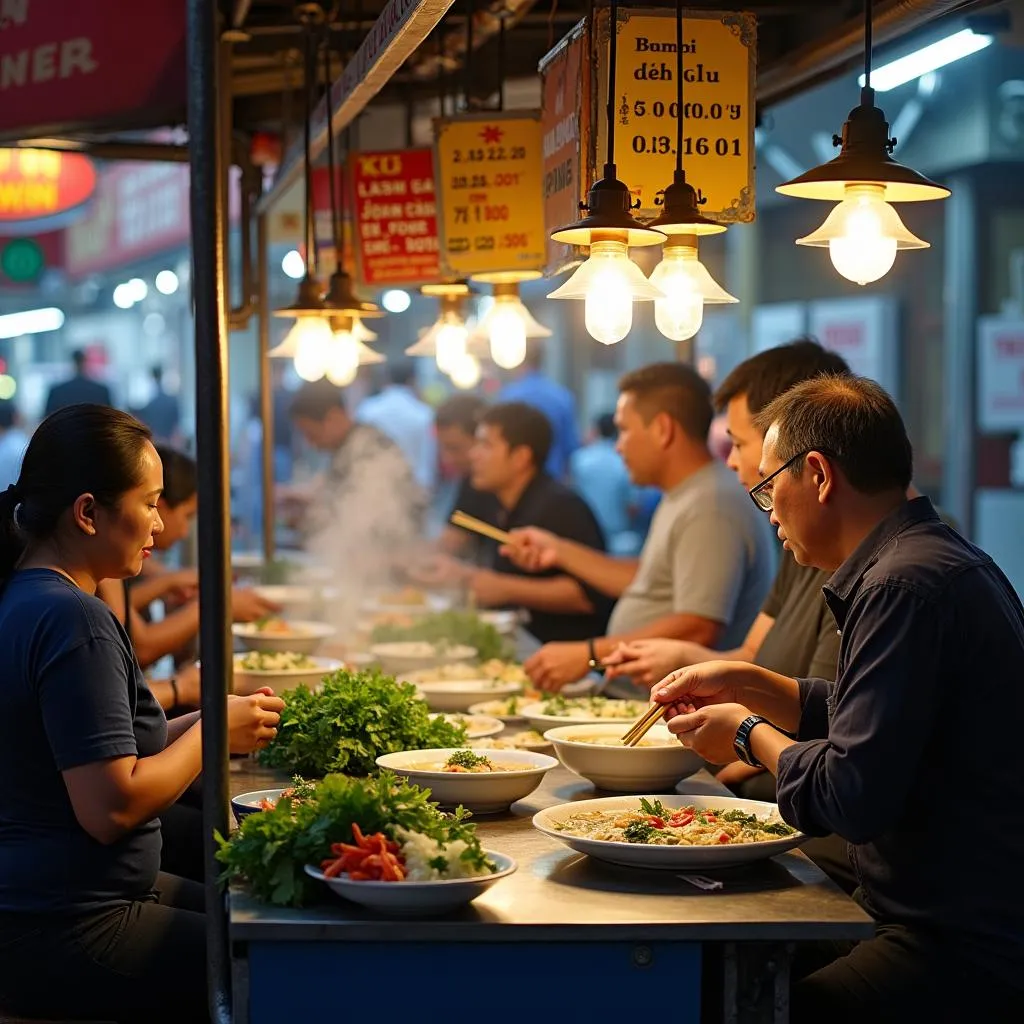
(603, 572)
(693, 628)
(557, 594)
(769, 694)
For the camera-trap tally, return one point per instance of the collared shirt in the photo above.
(399, 414)
(559, 405)
(914, 754)
(554, 507)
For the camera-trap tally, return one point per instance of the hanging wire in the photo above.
(309, 81)
(867, 44)
(336, 212)
(612, 54)
(468, 65)
(501, 59)
(679, 85)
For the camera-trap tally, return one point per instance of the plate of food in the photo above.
(280, 670)
(508, 709)
(598, 753)
(530, 739)
(400, 657)
(494, 669)
(462, 694)
(267, 799)
(277, 635)
(401, 876)
(561, 710)
(295, 600)
(477, 727)
(680, 832)
(409, 601)
(482, 781)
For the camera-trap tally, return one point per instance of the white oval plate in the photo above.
(410, 899)
(249, 680)
(300, 637)
(535, 715)
(461, 694)
(683, 858)
(434, 603)
(478, 727)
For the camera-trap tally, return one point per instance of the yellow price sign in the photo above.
(717, 112)
(489, 174)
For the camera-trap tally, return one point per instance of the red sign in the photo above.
(36, 185)
(395, 217)
(69, 64)
(140, 210)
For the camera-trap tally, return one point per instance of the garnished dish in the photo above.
(494, 669)
(404, 656)
(679, 832)
(281, 635)
(462, 694)
(508, 709)
(559, 710)
(267, 799)
(472, 778)
(528, 740)
(278, 661)
(361, 837)
(451, 627)
(280, 670)
(477, 727)
(350, 722)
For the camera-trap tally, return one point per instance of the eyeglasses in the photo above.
(763, 494)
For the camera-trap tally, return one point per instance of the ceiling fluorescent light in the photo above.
(31, 321)
(928, 58)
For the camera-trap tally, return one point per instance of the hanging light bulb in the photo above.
(314, 327)
(342, 363)
(687, 286)
(450, 343)
(608, 282)
(361, 332)
(447, 338)
(863, 234)
(312, 347)
(465, 372)
(507, 336)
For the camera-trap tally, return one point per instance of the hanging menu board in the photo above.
(395, 217)
(565, 123)
(489, 174)
(719, 51)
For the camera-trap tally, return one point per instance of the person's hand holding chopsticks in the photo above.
(531, 549)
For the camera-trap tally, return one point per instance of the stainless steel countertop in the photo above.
(558, 895)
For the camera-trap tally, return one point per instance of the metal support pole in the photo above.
(266, 391)
(208, 165)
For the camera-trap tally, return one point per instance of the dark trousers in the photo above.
(142, 962)
(901, 976)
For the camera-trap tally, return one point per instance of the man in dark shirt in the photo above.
(931, 660)
(80, 389)
(512, 444)
(162, 413)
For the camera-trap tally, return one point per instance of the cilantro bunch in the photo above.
(354, 719)
(270, 849)
(449, 627)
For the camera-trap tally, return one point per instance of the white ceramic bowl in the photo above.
(461, 694)
(491, 706)
(683, 858)
(432, 604)
(540, 746)
(624, 769)
(411, 899)
(483, 792)
(297, 601)
(301, 637)
(404, 656)
(504, 622)
(250, 680)
(478, 727)
(541, 720)
(251, 803)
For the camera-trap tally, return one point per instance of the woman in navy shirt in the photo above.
(87, 759)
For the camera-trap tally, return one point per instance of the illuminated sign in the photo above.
(36, 185)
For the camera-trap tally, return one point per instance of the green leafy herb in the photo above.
(655, 809)
(270, 849)
(467, 759)
(777, 828)
(638, 832)
(451, 628)
(354, 719)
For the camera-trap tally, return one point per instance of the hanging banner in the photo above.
(719, 53)
(395, 217)
(1000, 375)
(565, 123)
(71, 64)
(490, 173)
(42, 190)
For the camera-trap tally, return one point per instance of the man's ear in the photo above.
(823, 475)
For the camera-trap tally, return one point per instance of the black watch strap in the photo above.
(595, 662)
(742, 742)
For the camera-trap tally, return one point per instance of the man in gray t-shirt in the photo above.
(709, 558)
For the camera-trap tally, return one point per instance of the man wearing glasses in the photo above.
(931, 663)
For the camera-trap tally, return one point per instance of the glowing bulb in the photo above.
(465, 373)
(294, 265)
(123, 297)
(507, 337)
(342, 362)
(687, 286)
(311, 337)
(138, 289)
(167, 282)
(450, 345)
(609, 283)
(395, 300)
(863, 234)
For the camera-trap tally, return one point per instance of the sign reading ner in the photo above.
(717, 112)
(395, 217)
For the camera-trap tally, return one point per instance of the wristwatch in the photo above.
(742, 742)
(594, 664)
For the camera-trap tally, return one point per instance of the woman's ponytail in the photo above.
(12, 541)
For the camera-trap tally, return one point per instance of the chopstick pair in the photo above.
(643, 725)
(474, 525)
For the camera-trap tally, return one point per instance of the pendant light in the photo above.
(863, 233)
(306, 341)
(447, 338)
(507, 327)
(684, 280)
(346, 353)
(609, 282)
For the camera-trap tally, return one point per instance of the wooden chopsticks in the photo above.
(474, 525)
(643, 725)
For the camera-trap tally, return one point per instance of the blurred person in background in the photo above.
(708, 562)
(399, 413)
(555, 400)
(13, 442)
(162, 413)
(80, 389)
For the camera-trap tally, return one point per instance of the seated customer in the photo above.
(931, 657)
(707, 563)
(88, 924)
(512, 443)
